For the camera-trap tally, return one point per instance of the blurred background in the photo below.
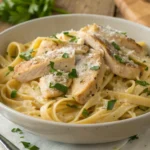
(16, 11)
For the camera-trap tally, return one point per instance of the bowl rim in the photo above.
(49, 122)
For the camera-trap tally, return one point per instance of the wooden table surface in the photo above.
(103, 7)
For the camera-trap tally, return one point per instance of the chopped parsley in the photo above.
(17, 130)
(119, 59)
(26, 55)
(10, 68)
(145, 91)
(142, 83)
(124, 33)
(52, 69)
(143, 108)
(111, 104)
(85, 113)
(13, 94)
(13, 57)
(95, 67)
(72, 106)
(67, 33)
(65, 55)
(59, 73)
(54, 36)
(59, 87)
(73, 38)
(134, 137)
(73, 74)
(116, 46)
(29, 146)
(146, 69)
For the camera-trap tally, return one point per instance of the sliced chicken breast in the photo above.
(51, 44)
(40, 65)
(118, 62)
(91, 69)
(111, 35)
(46, 84)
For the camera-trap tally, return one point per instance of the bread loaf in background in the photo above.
(135, 10)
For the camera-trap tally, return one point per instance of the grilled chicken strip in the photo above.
(40, 65)
(51, 44)
(91, 69)
(111, 35)
(118, 62)
(46, 84)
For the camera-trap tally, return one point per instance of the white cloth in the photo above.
(143, 143)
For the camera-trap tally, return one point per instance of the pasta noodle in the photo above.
(129, 98)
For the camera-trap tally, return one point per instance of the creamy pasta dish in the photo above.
(94, 75)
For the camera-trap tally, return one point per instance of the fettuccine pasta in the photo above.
(57, 94)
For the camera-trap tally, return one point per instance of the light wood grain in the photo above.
(135, 10)
(103, 7)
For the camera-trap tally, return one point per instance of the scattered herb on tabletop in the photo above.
(132, 138)
(17, 130)
(29, 146)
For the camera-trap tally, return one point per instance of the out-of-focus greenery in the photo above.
(17, 11)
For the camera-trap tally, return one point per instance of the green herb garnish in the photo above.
(13, 93)
(85, 113)
(74, 39)
(67, 33)
(10, 68)
(72, 106)
(95, 68)
(115, 45)
(59, 87)
(59, 73)
(119, 59)
(124, 33)
(65, 55)
(145, 91)
(146, 69)
(52, 69)
(26, 144)
(53, 36)
(111, 104)
(17, 11)
(134, 137)
(17, 130)
(73, 74)
(142, 83)
(29, 146)
(26, 55)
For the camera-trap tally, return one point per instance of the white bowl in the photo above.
(72, 133)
